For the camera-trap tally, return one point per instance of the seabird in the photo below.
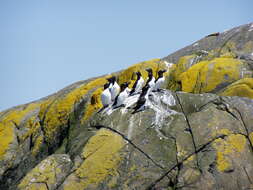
(151, 79)
(105, 97)
(114, 87)
(160, 80)
(141, 103)
(138, 84)
(121, 97)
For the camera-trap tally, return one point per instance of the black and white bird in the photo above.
(138, 84)
(106, 98)
(151, 79)
(106, 95)
(121, 97)
(141, 103)
(159, 81)
(114, 87)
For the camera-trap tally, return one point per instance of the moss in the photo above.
(101, 158)
(242, 88)
(226, 149)
(207, 75)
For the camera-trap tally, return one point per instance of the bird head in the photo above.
(138, 73)
(150, 72)
(160, 73)
(106, 85)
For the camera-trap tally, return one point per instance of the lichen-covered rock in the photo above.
(243, 88)
(48, 174)
(183, 141)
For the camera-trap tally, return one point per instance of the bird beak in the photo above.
(164, 71)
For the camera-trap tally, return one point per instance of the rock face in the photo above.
(197, 134)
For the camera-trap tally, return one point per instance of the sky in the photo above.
(46, 45)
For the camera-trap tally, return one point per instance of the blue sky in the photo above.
(47, 45)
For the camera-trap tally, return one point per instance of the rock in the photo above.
(183, 140)
(48, 174)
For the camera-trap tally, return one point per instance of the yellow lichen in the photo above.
(37, 145)
(180, 151)
(251, 137)
(94, 105)
(7, 132)
(221, 132)
(48, 171)
(36, 186)
(101, 158)
(6, 138)
(207, 75)
(128, 74)
(59, 112)
(188, 160)
(176, 70)
(243, 88)
(17, 115)
(227, 148)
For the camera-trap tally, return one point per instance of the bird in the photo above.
(160, 80)
(141, 103)
(106, 95)
(114, 87)
(138, 84)
(121, 97)
(106, 98)
(151, 79)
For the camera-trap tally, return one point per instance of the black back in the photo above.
(136, 82)
(160, 74)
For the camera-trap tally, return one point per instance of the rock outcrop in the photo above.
(196, 134)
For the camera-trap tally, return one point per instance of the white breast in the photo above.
(115, 90)
(121, 98)
(159, 83)
(152, 83)
(106, 97)
(139, 85)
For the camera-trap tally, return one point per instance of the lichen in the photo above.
(94, 105)
(226, 149)
(8, 122)
(37, 145)
(128, 74)
(6, 138)
(101, 158)
(242, 88)
(207, 75)
(184, 63)
(58, 113)
(251, 137)
(49, 171)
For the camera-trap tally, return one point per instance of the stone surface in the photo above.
(197, 139)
